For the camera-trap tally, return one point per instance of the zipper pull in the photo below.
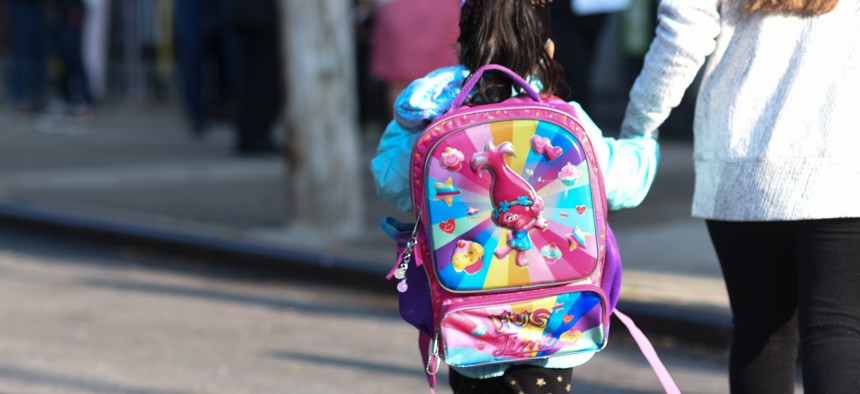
(433, 359)
(400, 272)
(405, 258)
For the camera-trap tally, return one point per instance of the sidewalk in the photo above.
(133, 173)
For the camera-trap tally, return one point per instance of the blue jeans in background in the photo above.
(28, 74)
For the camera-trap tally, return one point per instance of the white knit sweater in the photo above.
(777, 124)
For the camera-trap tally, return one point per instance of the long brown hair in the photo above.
(799, 7)
(511, 33)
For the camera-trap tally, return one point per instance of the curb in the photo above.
(660, 320)
(313, 267)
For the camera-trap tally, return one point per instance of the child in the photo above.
(514, 34)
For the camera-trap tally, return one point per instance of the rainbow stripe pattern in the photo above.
(459, 207)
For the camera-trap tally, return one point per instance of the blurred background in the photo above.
(170, 98)
(186, 206)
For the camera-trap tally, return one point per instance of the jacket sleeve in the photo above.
(390, 167)
(631, 164)
(421, 102)
(628, 164)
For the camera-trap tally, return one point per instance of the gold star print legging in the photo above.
(519, 379)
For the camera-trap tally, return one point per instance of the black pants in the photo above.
(790, 281)
(518, 379)
(262, 88)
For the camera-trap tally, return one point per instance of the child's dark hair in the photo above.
(514, 34)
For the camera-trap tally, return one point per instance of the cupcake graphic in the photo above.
(551, 253)
(467, 257)
(571, 336)
(569, 174)
(478, 330)
(451, 159)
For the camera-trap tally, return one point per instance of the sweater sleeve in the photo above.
(686, 34)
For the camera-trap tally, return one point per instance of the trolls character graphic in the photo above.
(516, 205)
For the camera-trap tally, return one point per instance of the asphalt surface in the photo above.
(90, 317)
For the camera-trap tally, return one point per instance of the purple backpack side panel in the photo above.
(611, 280)
(415, 303)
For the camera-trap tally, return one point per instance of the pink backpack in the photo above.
(510, 258)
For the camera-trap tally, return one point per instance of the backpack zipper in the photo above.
(502, 300)
(403, 262)
(506, 299)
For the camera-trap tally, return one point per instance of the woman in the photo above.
(776, 130)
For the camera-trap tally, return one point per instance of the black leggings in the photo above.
(518, 379)
(788, 281)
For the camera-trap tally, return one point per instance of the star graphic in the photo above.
(560, 379)
(578, 237)
(446, 191)
(540, 382)
(573, 244)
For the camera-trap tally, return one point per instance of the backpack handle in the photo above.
(473, 80)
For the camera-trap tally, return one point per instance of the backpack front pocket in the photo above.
(524, 325)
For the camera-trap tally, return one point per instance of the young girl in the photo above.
(514, 34)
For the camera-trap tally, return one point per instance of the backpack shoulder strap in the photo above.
(649, 353)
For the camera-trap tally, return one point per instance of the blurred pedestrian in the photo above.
(28, 74)
(202, 25)
(514, 34)
(66, 21)
(95, 45)
(775, 141)
(410, 38)
(134, 27)
(261, 87)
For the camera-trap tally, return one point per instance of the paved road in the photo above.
(90, 318)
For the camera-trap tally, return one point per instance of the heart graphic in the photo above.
(567, 318)
(552, 153)
(539, 143)
(448, 226)
(543, 146)
(580, 209)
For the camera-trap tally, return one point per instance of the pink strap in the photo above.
(649, 353)
(396, 265)
(473, 80)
